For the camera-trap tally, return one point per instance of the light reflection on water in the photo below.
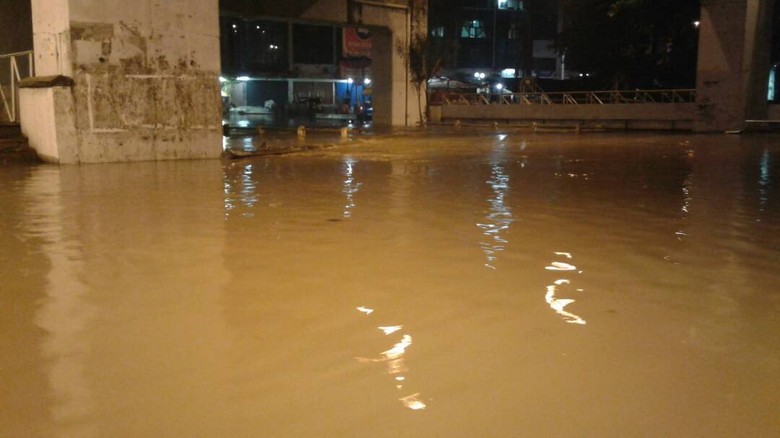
(499, 216)
(350, 186)
(218, 298)
(553, 290)
(395, 361)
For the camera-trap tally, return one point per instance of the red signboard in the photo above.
(356, 43)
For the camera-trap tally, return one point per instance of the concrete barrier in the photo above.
(656, 116)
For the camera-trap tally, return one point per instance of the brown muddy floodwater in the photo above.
(481, 285)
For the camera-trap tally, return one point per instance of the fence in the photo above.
(566, 98)
(13, 68)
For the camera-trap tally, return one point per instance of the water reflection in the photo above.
(764, 180)
(682, 233)
(350, 186)
(499, 217)
(395, 361)
(553, 290)
(66, 313)
(240, 190)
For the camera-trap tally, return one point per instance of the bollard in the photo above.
(301, 131)
(344, 132)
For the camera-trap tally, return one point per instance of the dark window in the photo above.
(266, 45)
(313, 44)
(253, 47)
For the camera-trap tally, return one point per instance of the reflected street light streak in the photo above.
(390, 329)
(560, 266)
(499, 217)
(365, 310)
(396, 365)
(411, 402)
(240, 191)
(558, 304)
(350, 186)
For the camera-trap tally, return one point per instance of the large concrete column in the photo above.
(144, 80)
(733, 64)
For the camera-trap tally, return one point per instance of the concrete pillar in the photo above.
(733, 64)
(394, 99)
(144, 79)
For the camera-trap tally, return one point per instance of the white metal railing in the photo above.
(567, 98)
(9, 85)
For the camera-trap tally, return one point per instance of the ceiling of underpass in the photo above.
(286, 9)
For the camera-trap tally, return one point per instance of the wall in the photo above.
(733, 64)
(145, 76)
(674, 116)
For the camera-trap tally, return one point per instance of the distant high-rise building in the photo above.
(497, 38)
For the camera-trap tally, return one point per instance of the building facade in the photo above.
(498, 39)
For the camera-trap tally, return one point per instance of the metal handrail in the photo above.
(10, 102)
(571, 97)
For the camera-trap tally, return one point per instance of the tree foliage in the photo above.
(632, 43)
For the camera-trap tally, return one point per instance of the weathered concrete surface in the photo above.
(733, 63)
(145, 80)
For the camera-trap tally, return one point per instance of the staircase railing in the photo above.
(13, 68)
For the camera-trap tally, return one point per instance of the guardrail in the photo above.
(9, 91)
(566, 98)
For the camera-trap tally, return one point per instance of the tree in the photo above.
(424, 55)
(420, 66)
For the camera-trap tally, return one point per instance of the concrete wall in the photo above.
(668, 116)
(145, 76)
(733, 63)
(48, 122)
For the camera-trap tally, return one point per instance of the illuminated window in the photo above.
(438, 32)
(510, 4)
(473, 29)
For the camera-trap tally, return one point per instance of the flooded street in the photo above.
(481, 285)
